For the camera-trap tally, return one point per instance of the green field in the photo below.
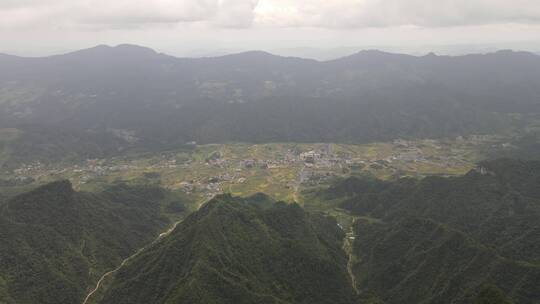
(245, 169)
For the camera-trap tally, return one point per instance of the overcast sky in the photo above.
(205, 27)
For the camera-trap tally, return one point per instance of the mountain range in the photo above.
(467, 239)
(439, 240)
(130, 97)
(57, 242)
(237, 250)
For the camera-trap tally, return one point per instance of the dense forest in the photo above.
(236, 250)
(467, 239)
(440, 240)
(56, 242)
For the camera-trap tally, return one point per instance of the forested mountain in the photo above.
(133, 97)
(56, 243)
(417, 260)
(467, 239)
(439, 240)
(240, 251)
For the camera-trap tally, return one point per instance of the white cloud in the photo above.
(124, 13)
(386, 13)
(142, 11)
(236, 13)
(268, 13)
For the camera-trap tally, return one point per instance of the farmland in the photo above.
(282, 170)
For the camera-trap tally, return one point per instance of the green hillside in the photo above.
(419, 261)
(240, 251)
(466, 239)
(56, 242)
(439, 240)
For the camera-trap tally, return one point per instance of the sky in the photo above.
(315, 28)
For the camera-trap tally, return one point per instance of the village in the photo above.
(246, 169)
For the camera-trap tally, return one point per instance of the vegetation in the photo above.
(153, 102)
(464, 239)
(417, 260)
(491, 295)
(275, 171)
(440, 240)
(237, 250)
(149, 137)
(56, 242)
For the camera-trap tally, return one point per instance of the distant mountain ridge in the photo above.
(165, 101)
(143, 49)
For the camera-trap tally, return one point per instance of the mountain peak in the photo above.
(252, 57)
(372, 57)
(122, 51)
(373, 52)
(43, 204)
(224, 250)
(60, 186)
(519, 53)
(132, 48)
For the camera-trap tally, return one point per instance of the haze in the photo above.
(269, 151)
(314, 28)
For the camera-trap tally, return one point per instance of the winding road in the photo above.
(348, 248)
(124, 262)
(107, 274)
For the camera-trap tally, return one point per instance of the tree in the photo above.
(491, 294)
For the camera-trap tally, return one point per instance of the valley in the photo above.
(128, 176)
(283, 170)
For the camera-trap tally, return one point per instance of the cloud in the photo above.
(124, 13)
(388, 13)
(236, 13)
(142, 12)
(16, 14)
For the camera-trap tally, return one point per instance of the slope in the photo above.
(164, 102)
(56, 242)
(240, 251)
(439, 240)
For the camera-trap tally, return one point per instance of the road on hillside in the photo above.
(124, 262)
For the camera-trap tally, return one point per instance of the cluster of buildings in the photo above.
(316, 165)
